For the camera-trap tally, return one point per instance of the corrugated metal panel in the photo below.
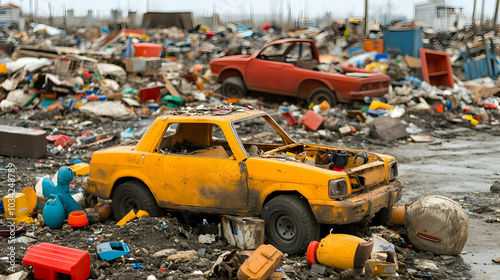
(406, 41)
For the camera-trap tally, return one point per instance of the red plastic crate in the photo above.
(290, 119)
(52, 262)
(147, 50)
(312, 121)
(152, 93)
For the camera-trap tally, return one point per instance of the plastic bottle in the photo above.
(414, 81)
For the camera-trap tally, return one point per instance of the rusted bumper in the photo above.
(356, 207)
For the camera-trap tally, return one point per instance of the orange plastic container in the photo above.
(261, 264)
(374, 45)
(398, 214)
(77, 219)
(147, 50)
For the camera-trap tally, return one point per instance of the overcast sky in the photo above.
(339, 8)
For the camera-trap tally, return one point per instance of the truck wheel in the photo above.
(321, 94)
(134, 195)
(290, 225)
(234, 87)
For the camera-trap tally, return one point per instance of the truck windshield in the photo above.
(258, 135)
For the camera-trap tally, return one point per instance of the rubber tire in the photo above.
(296, 210)
(137, 192)
(320, 94)
(234, 87)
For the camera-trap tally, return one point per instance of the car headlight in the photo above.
(393, 170)
(337, 188)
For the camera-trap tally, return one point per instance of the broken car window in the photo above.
(195, 139)
(257, 135)
(275, 52)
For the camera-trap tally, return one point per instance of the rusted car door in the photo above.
(265, 72)
(206, 175)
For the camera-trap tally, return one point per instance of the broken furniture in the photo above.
(436, 68)
(52, 262)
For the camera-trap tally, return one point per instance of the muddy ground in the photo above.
(462, 163)
(462, 168)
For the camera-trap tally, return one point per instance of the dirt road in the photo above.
(462, 168)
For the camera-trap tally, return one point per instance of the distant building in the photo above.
(11, 13)
(183, 20)
(438, 15)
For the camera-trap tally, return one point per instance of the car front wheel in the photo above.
(289, 223)
(234, 87)
(134, 195)
(323, 94)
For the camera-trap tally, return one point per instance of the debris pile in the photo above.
(67, 95)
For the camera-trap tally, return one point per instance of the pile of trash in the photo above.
(420, 240)
(68, 95)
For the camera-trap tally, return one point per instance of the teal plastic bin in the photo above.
(406, 41)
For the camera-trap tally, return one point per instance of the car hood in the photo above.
(364, 168)
(230, 58)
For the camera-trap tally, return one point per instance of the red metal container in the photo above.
(151, 93)
(147, 50)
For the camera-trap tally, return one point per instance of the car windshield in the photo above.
(276, 49)
(258, 135)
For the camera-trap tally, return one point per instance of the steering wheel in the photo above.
(263, 56)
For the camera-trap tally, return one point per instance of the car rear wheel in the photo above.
(134, 195)
(234, 87)
(290, 225)
(321, 94)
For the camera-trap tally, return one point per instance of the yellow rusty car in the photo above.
(239, 161)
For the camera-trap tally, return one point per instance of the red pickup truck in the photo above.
(289, 67)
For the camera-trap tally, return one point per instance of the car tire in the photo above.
(289, 224)
(234, 87)
(321, 94)
(134, 195)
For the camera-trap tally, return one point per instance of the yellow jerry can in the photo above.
(342, 251)
(16, 208)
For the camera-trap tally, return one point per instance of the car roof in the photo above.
(218, 113)
(289, 40)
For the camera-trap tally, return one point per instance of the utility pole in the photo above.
(289, 14)
(482, 13)
(474, 14)
(281, 13)
(367, 32)
(50, 14)
(496, 15)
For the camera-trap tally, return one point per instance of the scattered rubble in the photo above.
(66, 96)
